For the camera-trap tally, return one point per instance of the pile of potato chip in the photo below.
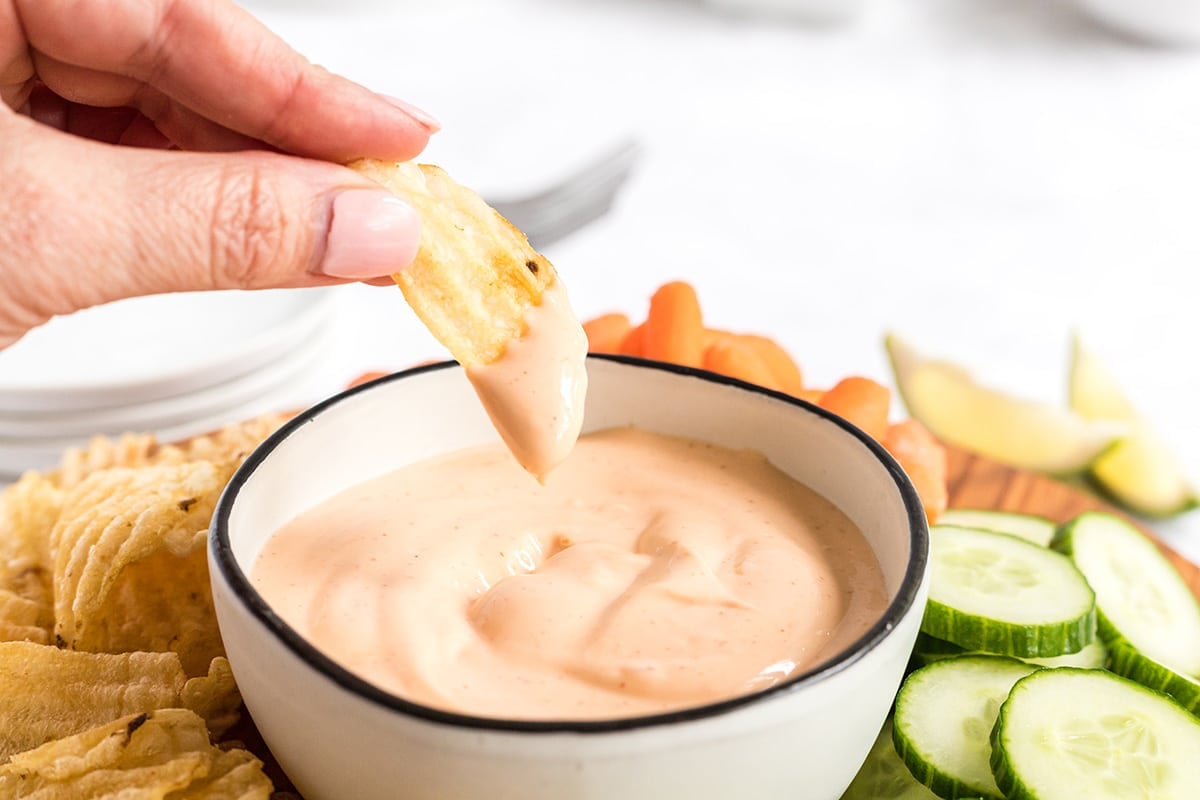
(113, 680)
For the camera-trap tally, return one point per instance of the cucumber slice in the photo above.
(928, 650)
(944, 716)
(1141, 473)
(1140, 668)
(883, 775)
(1019, 432)
(1000, 594)
(1069, 734)
(1140, 597)
(1092, 656)
(1037, 530)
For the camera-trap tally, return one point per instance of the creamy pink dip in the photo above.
(650, 573)
(534, 393)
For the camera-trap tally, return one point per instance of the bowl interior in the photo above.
(373, 429)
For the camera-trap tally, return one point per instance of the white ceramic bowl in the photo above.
(339, 738)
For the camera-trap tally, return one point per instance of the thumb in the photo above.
(95, 223)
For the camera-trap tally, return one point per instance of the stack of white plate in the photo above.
(175, 365)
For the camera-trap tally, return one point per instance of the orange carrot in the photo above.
(366, 377)
(787, 374)
(674, 328)
(811, 395)
(634, 343)
(924, 460)
(785, 370)
(606, 333)
(737, 359)
(714, 335)
(861, 401)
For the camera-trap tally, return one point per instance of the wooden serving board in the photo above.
(973, 482)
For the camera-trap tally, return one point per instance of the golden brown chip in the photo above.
(214, 696)
(101, 452)
(28, 511)
(130, 571)
(475, 275)
(158, 754)
(19, 619)
(47, 693)
(233, 442)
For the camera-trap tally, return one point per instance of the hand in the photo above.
(98, 202)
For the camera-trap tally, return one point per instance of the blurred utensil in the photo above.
(581, 197)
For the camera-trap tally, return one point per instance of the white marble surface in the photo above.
(983, 177)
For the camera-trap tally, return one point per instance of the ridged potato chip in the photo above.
(47, 693)
(158, 754)
(130, 570)
(232, 443)
(102, 452)
(28, 511)
(19, 619)
(475, 275)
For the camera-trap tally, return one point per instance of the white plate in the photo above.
(18, 456)
(168, 411)
(150, 348)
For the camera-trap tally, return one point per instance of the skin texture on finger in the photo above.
(216, 59)
(177, 123)
(125, 126)
(95, 222)
(16, 64)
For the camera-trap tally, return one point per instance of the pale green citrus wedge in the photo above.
(1141, 472)
(1022, 433)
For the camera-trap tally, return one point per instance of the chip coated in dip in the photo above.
(650, 573)
(534, 393)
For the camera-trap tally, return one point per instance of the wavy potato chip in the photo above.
(158, 754)
(28, 511)
(102, 452)
(130, 571)
(214, 696)
(47, 693)
(231, 444)
(475, 275)
(19, 619)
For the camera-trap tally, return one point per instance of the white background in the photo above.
(981, 176)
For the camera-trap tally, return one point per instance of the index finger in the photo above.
(217, 59)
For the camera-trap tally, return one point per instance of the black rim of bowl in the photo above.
(905, 598)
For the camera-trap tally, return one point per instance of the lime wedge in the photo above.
(1141, 472)
(1023, 433)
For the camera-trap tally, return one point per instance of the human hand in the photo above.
(100, 97)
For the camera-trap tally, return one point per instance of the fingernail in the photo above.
(427, 120)
(372, 233)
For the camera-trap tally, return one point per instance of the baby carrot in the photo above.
(787, 374)
(366, 377)
(811, 395)
(924, 460)
(737, 359)
(785, 370)
(606, 333)
(674, 329)
(634, 343)
(861, 401)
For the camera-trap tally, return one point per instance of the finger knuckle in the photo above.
(249, 230)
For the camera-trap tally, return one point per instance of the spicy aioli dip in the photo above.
(651, 573)
(534, 393)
